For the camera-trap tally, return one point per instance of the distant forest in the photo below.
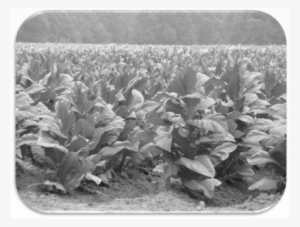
(143, 27)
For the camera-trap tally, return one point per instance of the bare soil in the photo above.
(138, 192)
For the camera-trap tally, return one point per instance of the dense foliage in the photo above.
(186, 28)
(209, 113)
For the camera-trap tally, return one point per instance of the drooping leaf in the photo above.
(261, 158)
(23, 99)
(261, 124)
(91, 177)
(34, 88)
(264, 184)
(73, 181)
(31, 169)
(28, 139)
(45, 140)
(207, 186)
(254, 137)
(57, 186)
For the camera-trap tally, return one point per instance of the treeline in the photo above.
(186, 28)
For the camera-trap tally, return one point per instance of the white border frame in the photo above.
(13, 212)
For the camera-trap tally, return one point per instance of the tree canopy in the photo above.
(155, 27)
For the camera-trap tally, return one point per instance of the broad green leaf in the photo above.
(34, 88)
(77, 144)
(148, 107)
(190, 79)
(28, 139)
(91, 177)
(279, 109)
(159, 168)
(195, 166)
(57, 185)
(261, 124)
(122, 111)
(214, 87)
(129, 126)
(192, 101)
(150, 150)
(178, 85)
(164, 141)
(244, 171)
(278, 153)
(137, 100)
(201, 79)
(220, 153)
(207, 186)
(73, 181)
(155, 119)
(246, 118)
(61, 109)
(162, 96)
(208, 125)
(234, 87)
(23, 99)
(279, 89)
(262, 159)
(69, 165)
(45, 140)
(206, 103)
(84, 128)
(31, 169)
(237, 134)
(254, 137)
(271, 79)
(233, 115)
(145, 136)
(264, 184)
(232, 126)
(206, 162)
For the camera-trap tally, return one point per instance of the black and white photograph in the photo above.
(150, 112)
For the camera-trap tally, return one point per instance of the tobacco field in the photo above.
(150, 128)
